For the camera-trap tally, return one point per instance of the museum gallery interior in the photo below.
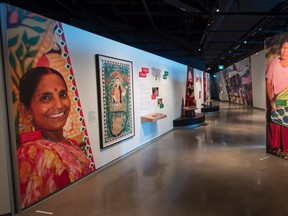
(142, 107)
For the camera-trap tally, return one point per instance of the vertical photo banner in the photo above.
(115, 83)
(238, 80)
(276, 49)
(205, 85)
(53, 148)
(190, 94)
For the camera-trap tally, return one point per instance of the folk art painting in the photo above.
(116, 108)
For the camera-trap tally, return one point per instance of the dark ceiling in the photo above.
(191, 32)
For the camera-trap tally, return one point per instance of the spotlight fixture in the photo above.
(217, 7)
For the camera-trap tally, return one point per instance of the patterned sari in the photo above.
(45, 167)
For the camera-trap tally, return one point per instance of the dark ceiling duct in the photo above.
(182, 6)
(214, 23)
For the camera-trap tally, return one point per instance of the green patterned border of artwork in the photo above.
(116, 107)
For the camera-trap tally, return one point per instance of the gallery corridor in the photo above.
(220, 168)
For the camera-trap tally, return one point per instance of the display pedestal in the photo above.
(188, 121)
(191, 110)
(152, 117)
(210, 106)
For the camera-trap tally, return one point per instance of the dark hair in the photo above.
(29, 82)
(282, 41)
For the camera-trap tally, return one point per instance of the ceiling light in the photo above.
(217, 7)
(245, 41)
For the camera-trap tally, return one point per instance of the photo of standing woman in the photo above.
(277, 97)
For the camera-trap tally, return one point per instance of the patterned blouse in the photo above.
(45, 167)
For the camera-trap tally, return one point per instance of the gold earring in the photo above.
(28, 119)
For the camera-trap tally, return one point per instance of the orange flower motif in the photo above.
(25, 169)
(32, 151)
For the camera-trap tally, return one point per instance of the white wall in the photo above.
(258, 79)
(83, 46)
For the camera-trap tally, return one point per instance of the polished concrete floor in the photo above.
(220, 168)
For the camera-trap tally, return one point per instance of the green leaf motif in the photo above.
(25, 37)
(13, 41)
(38, 29)
(32, 53)
(39, 19)
(33, 40)
(20, 12)
(19, 51)
(12, 60)
(30, 65)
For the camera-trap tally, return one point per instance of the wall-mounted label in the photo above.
(156, 72)
(92, 118)
(142, 74)
(145, 70)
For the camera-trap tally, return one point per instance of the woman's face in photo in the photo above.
(50, 104)
(284, 51)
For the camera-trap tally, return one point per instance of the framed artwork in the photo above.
(115, 91)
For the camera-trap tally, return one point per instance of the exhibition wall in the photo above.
(171, 89)
(38, 42)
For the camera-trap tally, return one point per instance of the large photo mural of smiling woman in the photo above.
(53, 148)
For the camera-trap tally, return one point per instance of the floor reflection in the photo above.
(215, 169)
